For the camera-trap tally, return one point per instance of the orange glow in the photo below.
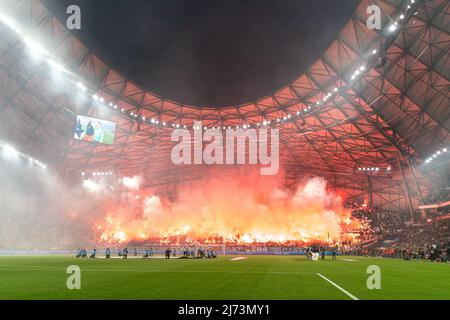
(231, 210)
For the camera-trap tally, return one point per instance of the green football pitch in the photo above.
(254, 277)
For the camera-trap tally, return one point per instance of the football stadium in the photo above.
(225, 150)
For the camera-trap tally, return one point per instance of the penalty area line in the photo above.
(334, 284)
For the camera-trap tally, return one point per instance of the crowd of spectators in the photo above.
(438, 195)
(426, 242)
(440, 212)
(377, 223)
(394, 238)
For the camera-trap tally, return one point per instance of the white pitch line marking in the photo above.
(349, 260)
(334, 284)
(237, 259)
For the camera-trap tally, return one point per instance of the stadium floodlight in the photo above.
(392, 27)
(35, 49)
(9, 151)
(444, 150)
(57, 67)
(9, 22)
(336, 89)
(95, 97)
(402, 16)
(374, 51)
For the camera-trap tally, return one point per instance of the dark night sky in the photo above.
(209, 52)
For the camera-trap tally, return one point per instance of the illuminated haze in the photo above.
(38, 212)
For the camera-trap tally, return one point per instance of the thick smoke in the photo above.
(37, 211)
(229, 208)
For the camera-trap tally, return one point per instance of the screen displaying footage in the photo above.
(94, 130)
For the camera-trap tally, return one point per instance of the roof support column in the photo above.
(369, 192)
(424, 215)
(407, 191)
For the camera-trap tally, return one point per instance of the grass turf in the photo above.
(257, 277)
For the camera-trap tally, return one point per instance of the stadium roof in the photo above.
(373, 98)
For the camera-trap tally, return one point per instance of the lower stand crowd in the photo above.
(392, 235)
